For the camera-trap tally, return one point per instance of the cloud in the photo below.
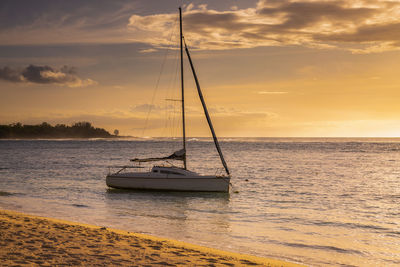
(149, 50)
(311, 23)
(306, 14)
(356, 25)
(45, 75)
(11, 75)
(367, 33)
(64, 22)
(150, 108)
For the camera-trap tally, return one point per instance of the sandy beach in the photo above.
(33, 240)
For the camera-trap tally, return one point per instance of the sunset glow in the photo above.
(306, 68)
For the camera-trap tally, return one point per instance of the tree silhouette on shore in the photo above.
(45, 130)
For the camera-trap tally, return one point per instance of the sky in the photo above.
(267, 68)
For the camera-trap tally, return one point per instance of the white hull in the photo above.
(151, 181)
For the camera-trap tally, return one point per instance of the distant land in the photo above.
(45, 130)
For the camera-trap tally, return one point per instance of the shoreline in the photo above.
(29, 239)
(65, 138)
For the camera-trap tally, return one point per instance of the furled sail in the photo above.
(203, 103)
(177, 155)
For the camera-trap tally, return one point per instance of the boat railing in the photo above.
(220, 172)
(122, 168)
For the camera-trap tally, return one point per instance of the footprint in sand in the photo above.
(212, 260)
(248, 262)
(227, 263)
(74, 247)
(74, 262)
(177, 253)
(21, 262)
(99, 256)
(163, 263)
(114, 255)
(47, 256)
(48, 246)
(18, 254)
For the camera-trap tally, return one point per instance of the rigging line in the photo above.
(173, 129)
(169, 95)
(185, 3)
(175, 118)
(167, 115)
(159, 77)
(173, 76)
(176, 114)
(170, 111)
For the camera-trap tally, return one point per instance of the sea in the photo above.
(315, 201)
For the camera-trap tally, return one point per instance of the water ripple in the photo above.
(305, 199)
(321, 247)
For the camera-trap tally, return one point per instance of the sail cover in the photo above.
(203, 103)
(177, 155)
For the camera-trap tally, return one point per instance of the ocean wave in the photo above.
(322, 247)
(352, 225)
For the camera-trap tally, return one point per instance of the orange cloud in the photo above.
(312, 23)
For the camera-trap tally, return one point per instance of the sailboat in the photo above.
(174, 178)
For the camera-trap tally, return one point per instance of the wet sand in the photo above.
(32, 240)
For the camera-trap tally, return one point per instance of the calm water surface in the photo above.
(314, 201)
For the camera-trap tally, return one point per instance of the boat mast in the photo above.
(182, 91)
(206, 112)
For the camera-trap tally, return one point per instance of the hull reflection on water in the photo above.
(186, 213)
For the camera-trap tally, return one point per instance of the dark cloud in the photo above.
(61, 22)
(88, 13)
(11, 75)
(44, 75)
(298, 15)
(313, 23)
